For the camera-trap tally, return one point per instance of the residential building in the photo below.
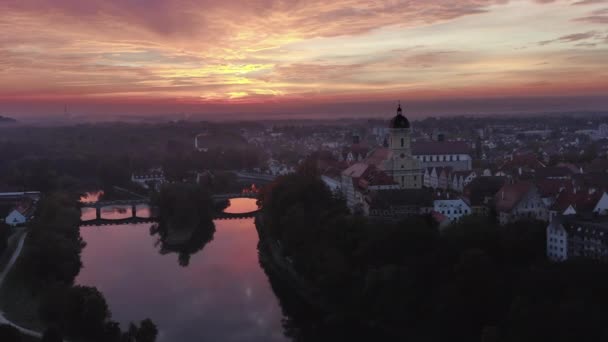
(574, 236)
(518, 201)
(453, 209)
(398, 203)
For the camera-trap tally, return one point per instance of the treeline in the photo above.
(58, 158)
(185, 214)
(48, 266)
(476, 281)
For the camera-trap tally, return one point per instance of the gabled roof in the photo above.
(482, 187)
(373, 176)
(356, 170)
(440, 147)
(581, 201)
(552, 187)
(378, 156)
(511, 194)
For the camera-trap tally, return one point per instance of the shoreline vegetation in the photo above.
(474, 281)
(39, 293)
(185, 220)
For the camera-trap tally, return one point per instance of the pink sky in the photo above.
(317, 56)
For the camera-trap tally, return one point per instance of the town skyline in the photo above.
(271, 59)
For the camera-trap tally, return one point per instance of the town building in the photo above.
(359, 179)
(453, 154)
(452, 209)
(574, 236)
(397, 204)
(481, 192)
(519, 201)
(400, 165)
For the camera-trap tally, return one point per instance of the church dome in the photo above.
(399, 121)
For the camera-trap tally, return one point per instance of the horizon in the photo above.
(274, 59)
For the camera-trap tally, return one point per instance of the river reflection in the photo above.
(223, 295)
(241, 205)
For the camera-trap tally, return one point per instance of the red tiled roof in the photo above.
(552, 187)
(378, 156)
(510, 195)
(580, 201)
(356, 170)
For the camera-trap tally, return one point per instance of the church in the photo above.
(396, 159)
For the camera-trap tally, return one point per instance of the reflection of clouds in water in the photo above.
(241, 205)
(223, 295)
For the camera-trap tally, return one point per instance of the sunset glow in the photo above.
(136, 54)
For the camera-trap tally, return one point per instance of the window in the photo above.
(402, 142)
(415, 177)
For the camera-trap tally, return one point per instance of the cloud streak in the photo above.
(279, 50)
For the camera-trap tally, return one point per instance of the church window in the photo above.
(402, 179)
(402, 142)
(402, 155)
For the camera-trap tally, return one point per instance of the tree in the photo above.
(80, 311)
(146, 332)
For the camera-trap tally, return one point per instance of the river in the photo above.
(222, 295)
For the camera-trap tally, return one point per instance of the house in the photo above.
(574, 236)
(460, 179)
(518, 201)
(578, 202)
(20, 214)
(396, 204)
(481, 192)
(453, 209)
(361, 178)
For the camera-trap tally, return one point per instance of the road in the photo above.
(9, 266)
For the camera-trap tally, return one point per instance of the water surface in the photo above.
(223, 295)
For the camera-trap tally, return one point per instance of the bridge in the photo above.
(254, 176)
(223, 197)
(133, 203)
(106, 222)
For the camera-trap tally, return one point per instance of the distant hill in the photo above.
(4, 120)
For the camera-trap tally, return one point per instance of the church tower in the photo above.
(405, 170)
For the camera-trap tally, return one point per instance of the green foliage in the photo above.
(476, 280)
(79, 311)
(185, 220)
(54, 244)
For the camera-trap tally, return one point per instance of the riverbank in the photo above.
(17, 308)
(272, 256)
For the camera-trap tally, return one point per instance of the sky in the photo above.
(309, 57)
